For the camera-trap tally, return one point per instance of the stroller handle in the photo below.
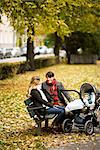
(76, 92)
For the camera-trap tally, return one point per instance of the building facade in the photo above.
(7, 34)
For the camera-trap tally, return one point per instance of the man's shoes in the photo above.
(56, 125)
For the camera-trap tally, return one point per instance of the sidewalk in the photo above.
(91, 145)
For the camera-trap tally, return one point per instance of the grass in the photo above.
(17, 128)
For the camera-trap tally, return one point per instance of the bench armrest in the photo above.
(36, 108)
(28, 102)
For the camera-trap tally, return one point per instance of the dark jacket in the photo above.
(37, 99)
(61, 94)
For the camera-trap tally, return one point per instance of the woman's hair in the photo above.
(49, 74)
(34, 78)
(31, 84)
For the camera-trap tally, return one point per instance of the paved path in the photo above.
(91, 145)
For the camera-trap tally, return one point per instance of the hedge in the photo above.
(83, 59)
(8, 70)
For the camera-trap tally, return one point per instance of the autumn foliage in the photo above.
(17, 128)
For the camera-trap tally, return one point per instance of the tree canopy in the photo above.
(49, 16)
(61, 17)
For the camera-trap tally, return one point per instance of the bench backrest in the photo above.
(29, 104)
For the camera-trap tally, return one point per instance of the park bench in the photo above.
(38, 114)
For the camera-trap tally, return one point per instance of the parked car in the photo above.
(8, 52)
(23, 51)
(50, 51)
(62, 53)
(41, 49)
(38, 49)
(2, 53)
(16, 52)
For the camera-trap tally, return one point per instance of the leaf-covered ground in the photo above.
(17, 128)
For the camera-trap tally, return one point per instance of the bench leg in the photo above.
(38, 128)
(46, 123)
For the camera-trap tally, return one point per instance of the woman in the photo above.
(39, 99)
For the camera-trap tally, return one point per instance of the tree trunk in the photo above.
(67, 49)
(57, 46)
(30, 53)
(68, 56)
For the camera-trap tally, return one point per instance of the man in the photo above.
(53, 90)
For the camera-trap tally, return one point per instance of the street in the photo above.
(18, 59)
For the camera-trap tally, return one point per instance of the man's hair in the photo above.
(49, 74)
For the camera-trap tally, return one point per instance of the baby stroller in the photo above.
(82, 113)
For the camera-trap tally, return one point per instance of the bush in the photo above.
(45, 62)
(8, 70)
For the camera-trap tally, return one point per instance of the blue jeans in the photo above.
(60, 111)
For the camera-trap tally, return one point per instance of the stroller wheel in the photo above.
(67, 125)
(89, 128)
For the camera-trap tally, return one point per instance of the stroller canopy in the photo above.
(88, 94)
(87, 88)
